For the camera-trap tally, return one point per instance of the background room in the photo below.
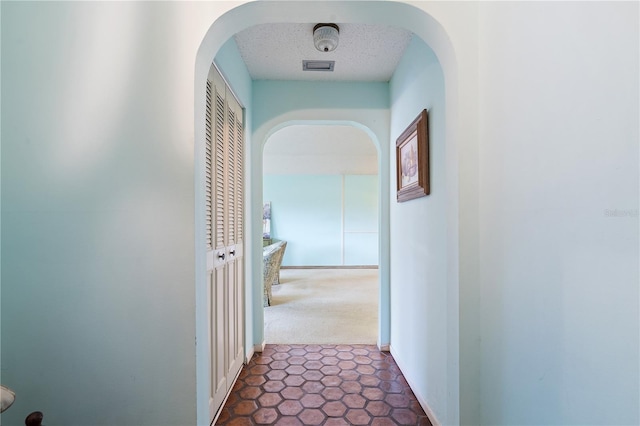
(321, 182)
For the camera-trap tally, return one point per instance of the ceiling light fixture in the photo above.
(325, 37)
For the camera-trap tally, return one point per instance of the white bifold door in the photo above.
(225, 260)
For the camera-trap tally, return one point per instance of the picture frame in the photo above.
(266, 220)
(412, 160)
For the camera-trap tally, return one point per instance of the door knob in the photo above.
(221, 256)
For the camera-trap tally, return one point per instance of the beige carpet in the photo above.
(323, 306)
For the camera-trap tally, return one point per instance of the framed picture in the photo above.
(412, 160)
(266, 220)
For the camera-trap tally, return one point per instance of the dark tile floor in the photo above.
(322, 385)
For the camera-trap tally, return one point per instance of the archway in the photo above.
(375, 125)
(321, 182)
(402, 15)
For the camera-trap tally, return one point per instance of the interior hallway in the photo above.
(511, 291)
(322, 385)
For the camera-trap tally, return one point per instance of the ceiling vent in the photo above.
(308, 65)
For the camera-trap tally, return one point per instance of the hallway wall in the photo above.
(98, 296)
(421, 309)
(559, 267)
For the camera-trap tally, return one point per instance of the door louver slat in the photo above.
(219, 173)
(208, 169)
(239, 179)
(231, 178)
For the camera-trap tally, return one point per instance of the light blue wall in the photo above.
(323, 218)
(420, 306)
(306, 212)
(235, 72)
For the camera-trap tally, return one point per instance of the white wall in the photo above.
(98, 295)
(419, 297)
(559, 273)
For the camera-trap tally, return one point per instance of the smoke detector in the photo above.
(325, 37)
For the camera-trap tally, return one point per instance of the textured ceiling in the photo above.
(365, 52)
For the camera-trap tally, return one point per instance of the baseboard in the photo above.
(249, 355)
(332, 267)
(423, 403)
(224, 402)
(384, 348)
(259, 347)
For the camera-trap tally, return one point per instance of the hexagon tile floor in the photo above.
(322, 385)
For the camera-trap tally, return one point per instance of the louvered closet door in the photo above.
(224, 186)
(234, 244)
(216, 253)
(238, 344)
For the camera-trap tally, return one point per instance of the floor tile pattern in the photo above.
(322, 385)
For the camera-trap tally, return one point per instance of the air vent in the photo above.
(317, 65)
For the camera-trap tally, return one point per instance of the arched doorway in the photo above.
(269, 119)
(321, 185)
